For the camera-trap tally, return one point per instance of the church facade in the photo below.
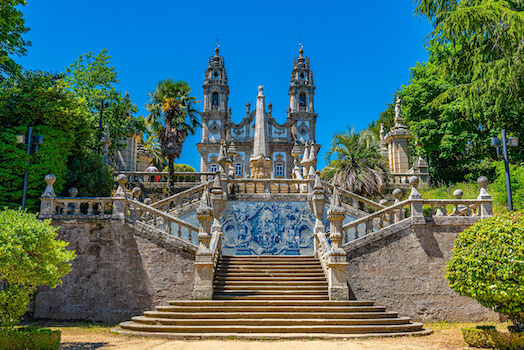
(257, 146)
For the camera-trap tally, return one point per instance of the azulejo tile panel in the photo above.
(267, 228)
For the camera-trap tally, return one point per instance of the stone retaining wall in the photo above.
(118, 273)
(404, 270)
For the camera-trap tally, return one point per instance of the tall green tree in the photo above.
(486, 36)
(171, 109)
(92, 79)
(12, 29)
(358, 165)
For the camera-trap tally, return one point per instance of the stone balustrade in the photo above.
(161, 179)
(401, 180)
(89, 206)
(181, 199)
(272, 186)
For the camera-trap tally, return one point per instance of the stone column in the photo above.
(47, 199)
(318, 202)
(204, 259)
(397, 193)
(337, 261)
(486, 208)
(417, 213)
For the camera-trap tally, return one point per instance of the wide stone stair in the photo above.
(270, 297)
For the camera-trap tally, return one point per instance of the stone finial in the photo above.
(486, 208)
(260, 91)
(458, 194)
(136, 191)
(148, 201)
(121, 179)
(397, 193)
(312, 153)
(383, 202)
(382, 133)
(318, 182)
(336, 207)
(305, 157)
(205, 204)
(49, 191)
(248, 108)
(73, 192)
(413, 181)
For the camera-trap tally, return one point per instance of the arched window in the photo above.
(302, 100)
(214, 100)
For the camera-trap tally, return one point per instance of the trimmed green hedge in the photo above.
(489, 337)
(30, 339)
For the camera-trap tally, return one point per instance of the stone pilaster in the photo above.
(204, 259)
(337, 262)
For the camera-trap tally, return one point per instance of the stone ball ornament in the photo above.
(397, 193)
(483, 181)
(50, 179)
(136, 191)
(73, 192)
(121, 179)
(413, 181)
(458, 194)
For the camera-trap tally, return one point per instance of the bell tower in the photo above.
(301, 111)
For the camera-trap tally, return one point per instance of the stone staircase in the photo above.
(270, 297)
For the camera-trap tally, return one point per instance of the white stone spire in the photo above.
(260, 162)
(260, 145)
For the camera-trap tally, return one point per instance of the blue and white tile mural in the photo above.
(267, 228)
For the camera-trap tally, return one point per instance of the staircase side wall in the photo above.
(118, 273)
(405, 272)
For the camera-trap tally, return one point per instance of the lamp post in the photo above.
(31, 140)
(511, 142)
(102, 105)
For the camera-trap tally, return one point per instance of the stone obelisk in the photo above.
(260, 161)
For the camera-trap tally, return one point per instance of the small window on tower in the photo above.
(302, 101)
(216, 74)
(238, 169)
(214, 100)
(279, 170)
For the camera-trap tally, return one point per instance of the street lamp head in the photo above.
(38, 139)
(495, 142)
(513, 141)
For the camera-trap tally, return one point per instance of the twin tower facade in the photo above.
(257, 146)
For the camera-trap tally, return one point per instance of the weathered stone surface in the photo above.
(406, 273)
(118, 273)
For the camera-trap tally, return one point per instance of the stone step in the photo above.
(288, 309)
(245, 296)
(249, 274)
(268, 257)
(271, 292)
(270, 321)
(291, 284)
(269, 267)
(338, 329)
(270, 286)
(270, 314)
(227, 278)
(272, 303)
(269, 262)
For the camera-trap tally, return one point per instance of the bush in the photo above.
(181, 168)
(484, 337)
(30, 256)
(488, 265)
(29, 338)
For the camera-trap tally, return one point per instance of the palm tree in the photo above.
(358, 165)
(173, 116)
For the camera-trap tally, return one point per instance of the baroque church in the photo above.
(258, 146)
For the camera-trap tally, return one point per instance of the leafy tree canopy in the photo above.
(30, 256)
(12, 28)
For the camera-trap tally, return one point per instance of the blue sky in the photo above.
(360, 52)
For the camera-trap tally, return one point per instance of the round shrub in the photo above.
(30, 256)
(488, 265)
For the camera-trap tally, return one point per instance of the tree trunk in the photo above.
(171, 161)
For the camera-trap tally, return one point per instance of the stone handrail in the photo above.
(283, 186)
(357, 202)
(181, 199)
(402, 179)
(150, 215)
(379, 219)
(322, 250)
